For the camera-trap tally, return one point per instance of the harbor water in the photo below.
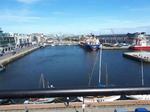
(73, 67)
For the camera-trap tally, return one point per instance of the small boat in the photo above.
(2, 68)
(45, 84)
(39, 100)
(87, 99)
(99, 99)
(144, 96)
(139, 97)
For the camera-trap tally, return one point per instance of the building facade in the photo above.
(22, 40)
(7, 42)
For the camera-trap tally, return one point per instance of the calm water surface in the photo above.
(71, 66)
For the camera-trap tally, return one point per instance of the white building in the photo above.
(22, 39)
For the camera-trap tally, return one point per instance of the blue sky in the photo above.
(75, 16)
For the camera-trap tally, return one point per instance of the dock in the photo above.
(138, 56)
(129, 105)
(115, 48)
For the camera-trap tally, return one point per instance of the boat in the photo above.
(100, 85)
(141, 43)
(39, 100)
(98, 99)
(144, 96)
(45, 84)
(139, 97)
(2, 68)
(87, 99)
(91, 43)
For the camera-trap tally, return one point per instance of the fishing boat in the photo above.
(2, 68)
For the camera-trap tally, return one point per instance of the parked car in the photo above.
(141, 110)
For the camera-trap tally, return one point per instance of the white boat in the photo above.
(98, 99)
(108, 98)
(39, 100)
(87, 99)
(139, 97)
(45, 84)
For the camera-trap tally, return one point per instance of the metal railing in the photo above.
(72, 92)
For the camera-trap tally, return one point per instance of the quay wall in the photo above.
(115, 48)
(129, 105)
(17, 56)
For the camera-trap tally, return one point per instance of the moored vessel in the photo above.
(91, 43)
(140, 42)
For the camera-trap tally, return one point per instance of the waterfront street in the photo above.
(18, 50)
(6, 59)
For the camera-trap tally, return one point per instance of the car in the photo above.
(141, 110)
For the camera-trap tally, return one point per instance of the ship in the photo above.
(91, 43)
(141, 43)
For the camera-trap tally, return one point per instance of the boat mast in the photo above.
(142, 73)
(100, 63)
(106, 76)
(42, 81)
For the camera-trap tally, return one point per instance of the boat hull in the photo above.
(92, 47)
(138, 48)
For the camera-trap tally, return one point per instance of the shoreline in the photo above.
(15, 57)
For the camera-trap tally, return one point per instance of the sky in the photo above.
(75, 16)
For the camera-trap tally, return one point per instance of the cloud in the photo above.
(28, 1)
(17, 16)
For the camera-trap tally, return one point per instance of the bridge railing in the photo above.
(72, 92)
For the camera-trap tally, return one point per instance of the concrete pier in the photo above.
(115, 48)
(129, 105)
(16, 56)
(138, 56)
